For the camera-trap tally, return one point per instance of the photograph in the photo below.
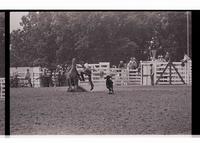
(98, 72)
(2, 73)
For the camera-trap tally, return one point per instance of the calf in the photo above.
(109, 84)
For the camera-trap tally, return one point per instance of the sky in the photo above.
(15, 18)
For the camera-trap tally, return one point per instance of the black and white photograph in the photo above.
(99, 72)
(2, 73)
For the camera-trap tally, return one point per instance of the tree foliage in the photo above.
(2, 44)
(49, 38)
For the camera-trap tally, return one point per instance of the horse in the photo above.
(72, 76)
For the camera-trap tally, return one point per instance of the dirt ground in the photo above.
(130, 111)
(2, 116)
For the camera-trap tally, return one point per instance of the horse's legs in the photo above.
(76, 84)
(69, 84)
(82, 76)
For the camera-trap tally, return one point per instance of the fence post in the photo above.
(170, 74)
(155, 72)
(141, 73)
(186, 73)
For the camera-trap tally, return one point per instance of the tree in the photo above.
(2, 44)
(49, 38)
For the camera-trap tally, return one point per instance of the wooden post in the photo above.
(32, 80)
(170, 74)
(142, 72)
(152, 75)
(162, 73)
(178, 74)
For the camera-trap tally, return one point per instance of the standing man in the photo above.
(87, 71)
(49, 78)
(28, 77)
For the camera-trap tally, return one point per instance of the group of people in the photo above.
(57, 77)
(54, 77)
(132, 64)
(15, 81)
(161, 58)
(50, 78)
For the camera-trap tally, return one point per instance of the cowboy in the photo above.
(87, 71)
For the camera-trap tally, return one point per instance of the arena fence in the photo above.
(147, 74)
(184, 71)
(21, 72)
(2, 88)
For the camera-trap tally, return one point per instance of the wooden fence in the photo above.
(2, 87)
(147, 74)
(185, 72)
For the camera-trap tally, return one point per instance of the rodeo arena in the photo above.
(144, 97)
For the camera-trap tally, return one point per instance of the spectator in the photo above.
(145, 56)
(132, 63)
(45, 78)
(185, 59)
(28, 77)
(54, 79)
(113, 66)
(59, 78)
(16, 80)
(162, 58)
(167, 57)
(121, 64)
(49, 78)
(160, 51)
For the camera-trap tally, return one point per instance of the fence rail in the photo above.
(2, 87)
(184, 71)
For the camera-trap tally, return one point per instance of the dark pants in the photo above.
(46, 81)
(89, 79)
(59, 81)
(16, 80)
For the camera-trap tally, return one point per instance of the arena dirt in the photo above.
(130, 111)
(2, 116)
